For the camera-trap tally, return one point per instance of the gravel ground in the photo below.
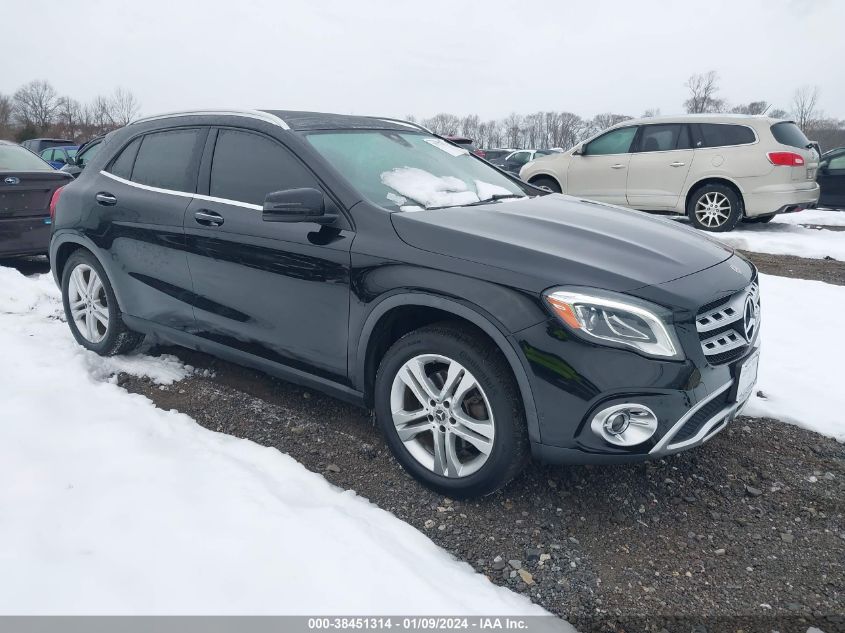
(747, 531)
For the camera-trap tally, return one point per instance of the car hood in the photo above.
(561, 240)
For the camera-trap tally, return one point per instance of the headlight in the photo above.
(617, 320)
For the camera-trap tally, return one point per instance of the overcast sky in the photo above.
(488, 57)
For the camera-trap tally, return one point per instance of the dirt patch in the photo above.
(746, 532)
(831, 271)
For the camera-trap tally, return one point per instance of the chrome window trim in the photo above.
(250, 114)
(184, 194)
(663, 445)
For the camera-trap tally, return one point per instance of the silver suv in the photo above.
(717, 169)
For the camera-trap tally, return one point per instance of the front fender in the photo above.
(472, 313)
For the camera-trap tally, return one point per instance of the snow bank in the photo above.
(112, 506)
(786, 239)
(820, 217)
(801, 358)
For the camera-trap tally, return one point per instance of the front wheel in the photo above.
(91, 308)
(449, 408)
(715, 208)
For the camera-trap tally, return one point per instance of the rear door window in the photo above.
(787, 133)
(246, 167)
(122, 165)
(723, 135)
(614, 142)
(168, 160)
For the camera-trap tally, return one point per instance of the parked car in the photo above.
(84, 154)
(514, 161)
(483, 319)
(717, 169)
(494, 154)
(468, 144)
(38, 145)
(831, 179)
(58, 156)
(27, 185)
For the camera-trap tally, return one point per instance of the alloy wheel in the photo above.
(442, 415)
(88, 303)
(713, 209)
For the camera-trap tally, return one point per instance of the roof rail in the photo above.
(411, 123)
(251, 114)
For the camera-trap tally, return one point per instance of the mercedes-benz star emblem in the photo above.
(750, 317)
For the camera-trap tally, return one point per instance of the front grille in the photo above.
(701, 417)
(722, 325)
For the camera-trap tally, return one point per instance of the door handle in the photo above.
(677, 163)
(106, 199)
(208, 218)
(617, 166)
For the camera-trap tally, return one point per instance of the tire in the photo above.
(85, 284)
(716, 208)
(546, 182)
(466, 471)
(760, 219)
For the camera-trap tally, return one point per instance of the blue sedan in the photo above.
(58, 156)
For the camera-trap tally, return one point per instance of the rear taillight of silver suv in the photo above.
(786, 159)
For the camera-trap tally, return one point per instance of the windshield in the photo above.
(410, 171)
(16, 158)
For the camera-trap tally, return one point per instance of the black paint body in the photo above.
(308, 302)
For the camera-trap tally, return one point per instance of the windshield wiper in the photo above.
(494, 198)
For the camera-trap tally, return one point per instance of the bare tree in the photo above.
(804, 106)
(124, 107)
(703, 91)
(651, 112)
(68, 118)
(6, 109)
(35, 104)
(755, 107)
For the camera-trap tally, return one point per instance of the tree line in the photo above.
(565, 129)
(37, 109)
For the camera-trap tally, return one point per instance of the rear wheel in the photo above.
(450, 411)
(715, 208)
(546, 182)
(91, 308)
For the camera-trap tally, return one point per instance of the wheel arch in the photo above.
(62, 246)
(377, 334)
(545, 174)
(714, 180)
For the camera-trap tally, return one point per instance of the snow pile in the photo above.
(429, 190)
(112, 506)
(816, 217)
(786, 239)
(800, 371)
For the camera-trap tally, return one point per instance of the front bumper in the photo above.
(573, 380)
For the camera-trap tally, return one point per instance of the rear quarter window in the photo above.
(787, 133)
(122, 165)
(167, 160)
(722, 135)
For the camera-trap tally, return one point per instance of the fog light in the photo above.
(624, 424)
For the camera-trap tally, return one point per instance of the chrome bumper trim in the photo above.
(665, 447)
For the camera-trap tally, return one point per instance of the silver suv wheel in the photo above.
(88, 303)
(442, 415)
(713, 209)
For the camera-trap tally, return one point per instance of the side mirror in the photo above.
(70, 161)
(296, 205)
(579, 151)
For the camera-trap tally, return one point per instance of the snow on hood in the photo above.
(429, 190)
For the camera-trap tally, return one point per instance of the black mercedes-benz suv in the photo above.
(482, 319)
